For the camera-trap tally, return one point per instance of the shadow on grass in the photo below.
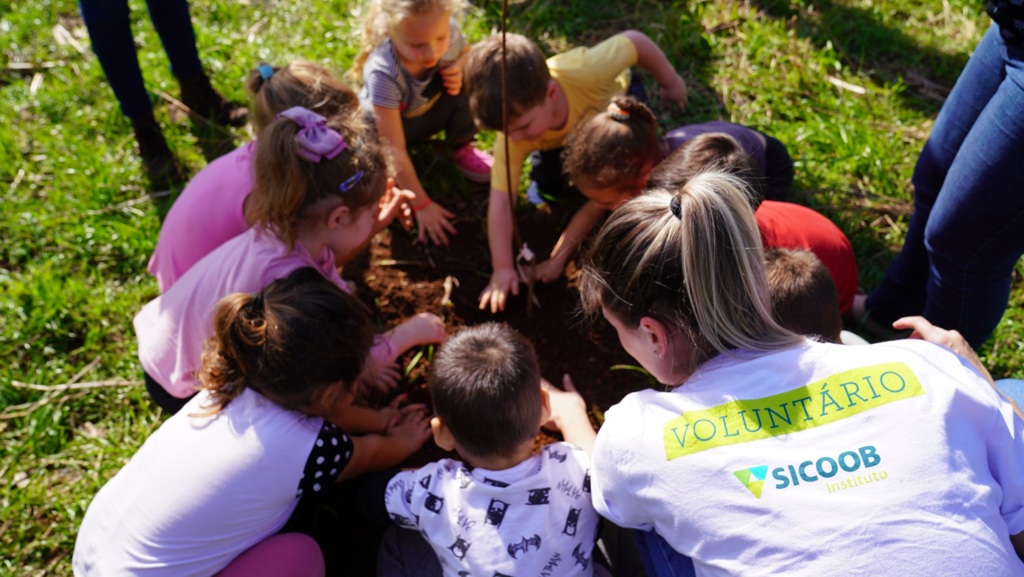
(884, 53)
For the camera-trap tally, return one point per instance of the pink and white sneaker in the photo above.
(475, 164)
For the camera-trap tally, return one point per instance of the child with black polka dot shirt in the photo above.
(210, 489)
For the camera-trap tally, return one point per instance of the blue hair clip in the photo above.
(351, 181)
(265, 70)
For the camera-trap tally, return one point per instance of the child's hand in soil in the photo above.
(434, 221)
(379, 375)
(412, 428)
(392, 415)
(503, 281)
(549, 270)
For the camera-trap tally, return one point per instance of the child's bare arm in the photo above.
(569, 415)
(359, 419)
(378, 452)
(651, 58)
(432, 218)
(504, 278)
(579, 226)
(420, 329)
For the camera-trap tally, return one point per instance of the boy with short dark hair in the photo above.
(502, 509)
(545, 103)
(804, 298)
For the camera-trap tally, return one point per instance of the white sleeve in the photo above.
(406, 494)
(612, 481)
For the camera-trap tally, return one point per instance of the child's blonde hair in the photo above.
(292, 191)
(690, 257)
(383, 15)
(275, 89)
(290, 342)
(614, 148)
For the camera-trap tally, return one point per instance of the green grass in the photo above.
(76, 228)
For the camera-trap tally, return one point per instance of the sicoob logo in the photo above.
(814, 470)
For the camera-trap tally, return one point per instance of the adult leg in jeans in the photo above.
(904, 290)
(660, 559)
(975, 233)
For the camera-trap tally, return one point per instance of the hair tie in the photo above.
(257, 301)
(617, 113)
(673, 205)
(351, 181)
(265, 70)
(316, 139)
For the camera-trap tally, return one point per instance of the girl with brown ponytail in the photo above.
(610, 158)
(208, 492)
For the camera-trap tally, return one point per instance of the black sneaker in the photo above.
(205, 102)
(159, 162)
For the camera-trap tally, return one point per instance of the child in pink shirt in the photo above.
(317, 201)
(211, 209)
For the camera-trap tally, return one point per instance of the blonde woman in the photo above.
(771, 454)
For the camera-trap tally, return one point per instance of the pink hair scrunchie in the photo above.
(316, 140)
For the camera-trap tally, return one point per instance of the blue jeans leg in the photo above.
(1012, 388)
(660, 559)
(963, 240)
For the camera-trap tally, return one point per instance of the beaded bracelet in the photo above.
(422, 205)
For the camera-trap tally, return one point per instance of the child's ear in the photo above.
(552, 90)
(338, 217)
(545, 406)
(442, 435)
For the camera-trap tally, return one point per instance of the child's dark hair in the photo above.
(527, 74)
(614, 148)
(711, 151)
(485, 386)
(804, 297)
(292, 191)
(275, 89)
(290, 342)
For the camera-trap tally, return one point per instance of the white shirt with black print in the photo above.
(533, 519)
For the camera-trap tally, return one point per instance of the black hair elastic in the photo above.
(673, 205)
(257, 301)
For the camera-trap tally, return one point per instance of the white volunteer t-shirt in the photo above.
(887, 459)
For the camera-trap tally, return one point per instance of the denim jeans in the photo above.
(1013, 389)
(660, 559)
(109, 26)
(967, 230)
